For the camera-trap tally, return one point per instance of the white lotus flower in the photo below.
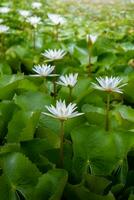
(24, 13)
(109, 84)
(68, 80)
(54, 54)
(61, 111)
(92, 38)
(44, 70)
(3, 28)
(34, 21)
(36, 5)
(56, 19)
(4, 10)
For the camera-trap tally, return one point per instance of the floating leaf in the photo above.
(51, 185)
(20, 177)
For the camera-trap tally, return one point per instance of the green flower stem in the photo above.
(54, 84)
(61, 143)
(89, 59)
(45, 85)
(34, 38)
(89, 65)
(54, 88)
(70, 94)
(107, 123)
(57, 32)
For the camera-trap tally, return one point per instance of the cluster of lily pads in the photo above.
(66, 91)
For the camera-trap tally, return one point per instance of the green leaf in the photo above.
(8, 84)
(18, 54)
(81, 86)
(102, 150)
(49, 123)
(106, 59)
(122, 171)
(5, 68)
(36, 149)
(22, 126)
(81, 54)
(94, 98)
(96, 184)
(70, 124)
(51, 185)
(26, 85)
(103, 45)
(129, 95)
(127, 46)
(20, 174)
(5, 189)
(9, 147)
(126, 112)
(125, 116)
(80, 192)
(117, 189)
(39, 146)
(94, 115)
(7, 109)
(32, 101)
